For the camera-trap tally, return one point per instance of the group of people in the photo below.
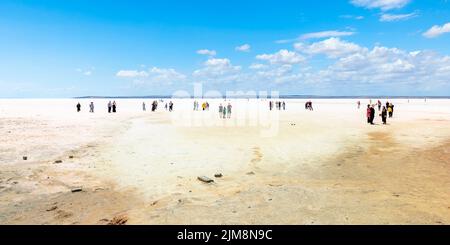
(385, 111)
(205, 106)
(309, 106)
(155, 106)
(111, 106)
(225, 111)
(278, 105)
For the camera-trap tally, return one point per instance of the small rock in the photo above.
(119, 220)
(58, 161)
(25, 158)
(251, 173)
(70, 157)
(205, 179)
(51, 208)
(218, 175)
(76, 189)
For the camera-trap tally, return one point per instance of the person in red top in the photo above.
(368, 113)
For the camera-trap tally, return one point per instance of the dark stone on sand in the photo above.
(51, 208)
(119, 220)
(25, 158)
(205, 179)
(76, 189)
(251, 173)
(70, 157)
(58, 161)
(218, 175)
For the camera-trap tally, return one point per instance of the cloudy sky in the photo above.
(343, 47)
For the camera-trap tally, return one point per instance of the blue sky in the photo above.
(346, 47)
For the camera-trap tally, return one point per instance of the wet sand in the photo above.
(322, 167)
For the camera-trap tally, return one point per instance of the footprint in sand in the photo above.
(257, 155)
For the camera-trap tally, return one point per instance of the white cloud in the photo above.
(244, 48)
(153, 75)
(326, 34)
(217, 70)
(257, 66)
(436, 31)
(131, 73)
(396, 17)
(354, 17)
(381, 4)
(282, 57)
(86, 72)
(207, 52)
(332, 47)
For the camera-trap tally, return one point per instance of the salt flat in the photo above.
(293, 166)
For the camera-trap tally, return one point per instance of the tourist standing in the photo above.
(114, 107)
(143, 106)
(109, 106)
(390, 110)
(224, 113)
(170, 106)
(91, 107)
(220, 110)
(384, 115)
(229, 110)
(368, 113)
(372, 115)
(78, 107)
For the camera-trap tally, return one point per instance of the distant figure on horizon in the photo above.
(78, 107)
(170, 106)
(384, 115)
(224, 113)
(229, 110)
(109, 106)
(154, 105)
(372, 115)
(359, 104)
(284, 106)
(391, 110)
(165, 106)
(114, 107)
(379, 105)
(270, 105)
(143, 106)
(195, 105)
(309, 106)
(220, 110)
(368, 113)
(91, 107)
